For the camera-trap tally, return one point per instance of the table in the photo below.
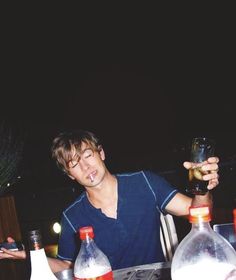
(158, 271)
(155, 271)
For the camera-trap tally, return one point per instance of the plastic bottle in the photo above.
(203, 253)
(40, 268)
(234, 217)
(91, 262)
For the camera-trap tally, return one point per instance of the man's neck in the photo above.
(105, 197)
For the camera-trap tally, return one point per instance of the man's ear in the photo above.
(102, 153)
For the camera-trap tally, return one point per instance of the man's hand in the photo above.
(210, 166)
(8, 254)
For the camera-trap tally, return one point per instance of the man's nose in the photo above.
(84, 165)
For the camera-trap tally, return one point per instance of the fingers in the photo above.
(206, 166)
(213, 160)
(211, 169)
(187, 164)
(7, 254)
(210, 165)
(210, 176)
(212, 184)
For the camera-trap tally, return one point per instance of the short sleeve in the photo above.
(162, 190)
(69, 243)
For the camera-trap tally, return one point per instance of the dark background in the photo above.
(145, 87)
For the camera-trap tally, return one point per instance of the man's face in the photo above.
(87, 167)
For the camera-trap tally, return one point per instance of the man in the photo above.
(124, 209)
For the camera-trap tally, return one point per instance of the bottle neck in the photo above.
(201, 225)
(87, 239)
(36, 246)
(89, 243)
(35, 240)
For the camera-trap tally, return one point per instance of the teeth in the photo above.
(91, 177)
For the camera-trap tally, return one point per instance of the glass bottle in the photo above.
(40, 268)
(91, 262)
(202, 148)
(203, 253)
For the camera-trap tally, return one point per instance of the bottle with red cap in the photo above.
(234, 217)
(203, 253)
(91, 262)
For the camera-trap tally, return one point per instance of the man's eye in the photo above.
(73, 164)
(88, 154)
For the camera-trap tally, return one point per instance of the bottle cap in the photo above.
(86, 231)
(234, 214)
(199, 214)
(234, 217)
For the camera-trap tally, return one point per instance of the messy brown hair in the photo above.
(66, 142)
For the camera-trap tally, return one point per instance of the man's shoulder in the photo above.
(129, 174)
(73, 206)
(141, 177)
(136, 174)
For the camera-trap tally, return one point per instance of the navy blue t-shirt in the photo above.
(131, 239)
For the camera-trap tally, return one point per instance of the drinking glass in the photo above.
(202, 148)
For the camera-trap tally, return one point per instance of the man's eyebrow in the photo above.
(87, 148)
(77, 155)
(72, 158)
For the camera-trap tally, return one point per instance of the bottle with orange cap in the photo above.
(203, 253)
(234, 217)
(91, 262)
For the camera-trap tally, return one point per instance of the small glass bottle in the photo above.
(91, 262)
(40, 268)
(203, 253)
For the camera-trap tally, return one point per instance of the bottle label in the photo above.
(107, 276)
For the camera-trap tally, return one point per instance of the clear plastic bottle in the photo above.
(91, 262)
(40, 268)
(203, 253)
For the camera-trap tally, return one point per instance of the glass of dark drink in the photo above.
(202, 148)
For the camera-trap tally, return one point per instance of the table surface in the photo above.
(155, 271)
(158, 271)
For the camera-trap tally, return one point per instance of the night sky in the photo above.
(144, 119)
(144, 122)
(145, 94)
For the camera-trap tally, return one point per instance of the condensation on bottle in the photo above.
(91, 263)
(203, 253)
